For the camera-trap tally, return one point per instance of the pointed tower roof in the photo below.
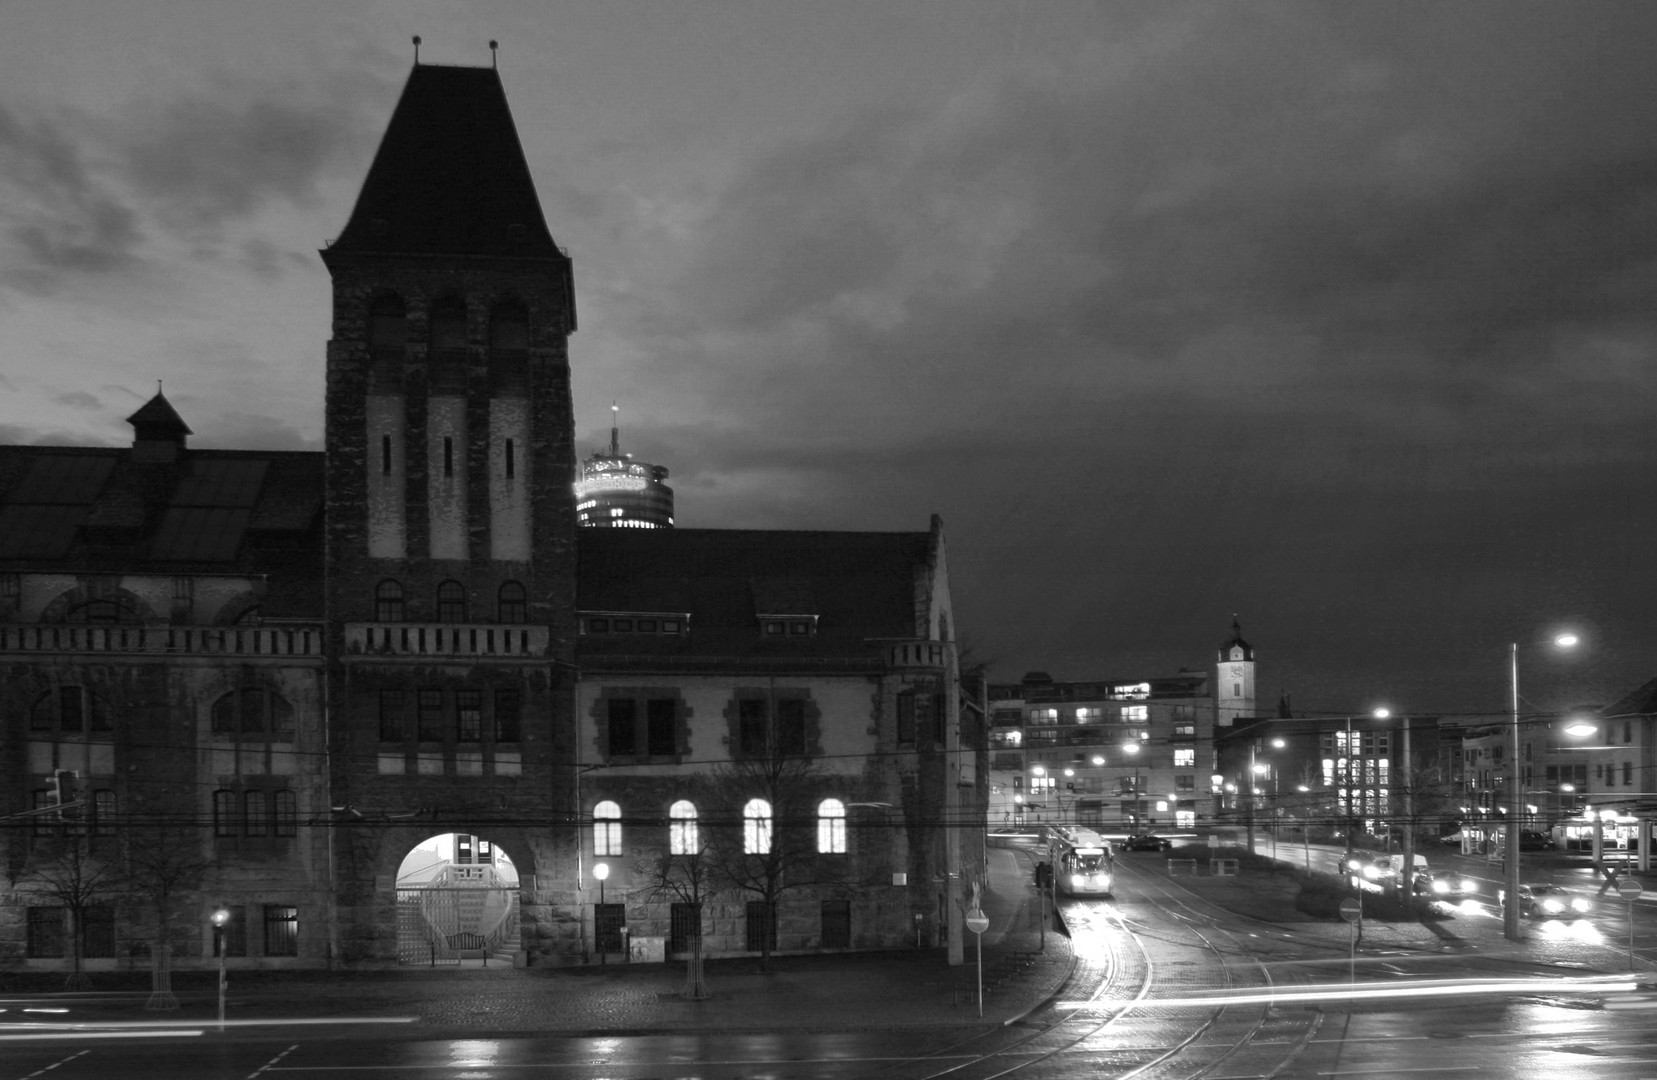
(450, 176)
(157, 421)
(1236, 640)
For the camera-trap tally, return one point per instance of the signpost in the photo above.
(1629, 890)
(978, 922)
(1352, 911)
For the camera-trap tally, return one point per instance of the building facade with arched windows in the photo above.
(270, 677)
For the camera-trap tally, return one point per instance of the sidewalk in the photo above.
(1023, 966)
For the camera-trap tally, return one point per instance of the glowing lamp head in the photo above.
(601, 870)
(221, 918)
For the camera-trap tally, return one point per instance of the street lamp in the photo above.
(1511, 925)
(1132, 750)
(221, 919)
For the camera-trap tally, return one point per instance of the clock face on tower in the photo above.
(1236, 671)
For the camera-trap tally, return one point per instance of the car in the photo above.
(1550, 902)
(1147, 842)
(1535, 841)
(1445, 884)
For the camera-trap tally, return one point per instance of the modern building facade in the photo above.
(1133, 754)
(280, 674)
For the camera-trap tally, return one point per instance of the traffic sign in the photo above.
(977, 921)
(1628, 888)
(1351, 909)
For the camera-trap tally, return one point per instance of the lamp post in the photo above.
(600, 871)
(221, 919)
(1511, 925)
(1132, 750)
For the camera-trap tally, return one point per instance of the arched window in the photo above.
(607, 829)
(682, 836)
(388, 323)
(512, 604)
(253, 713)
(71, 710)
(103, 613)
(451, 602)
(388, 602)
(831, 827)
(756, 827)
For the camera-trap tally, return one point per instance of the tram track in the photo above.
(1148, 963)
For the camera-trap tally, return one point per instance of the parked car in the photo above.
(1550, 902)
(1147, 842)
(1535, 841)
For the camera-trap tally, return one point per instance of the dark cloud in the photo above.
(220, 155)
(57, 217)
(1328, 315)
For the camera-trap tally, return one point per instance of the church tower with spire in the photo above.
(450, 538)
(1234, 679)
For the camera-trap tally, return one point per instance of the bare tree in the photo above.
(67, 873)
(681, 879)
(765, 857)
(163, 865)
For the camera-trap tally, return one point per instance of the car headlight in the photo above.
(1371, 873)
(1441, 886)
(1552, 905)
(1469, 886)
(1579, 904)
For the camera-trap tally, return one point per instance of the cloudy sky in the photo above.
(1336, 316)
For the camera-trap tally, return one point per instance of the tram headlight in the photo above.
(1077, 881)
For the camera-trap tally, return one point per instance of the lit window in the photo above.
(756, 827)
(682, 836)
(831, 827)
(1135, 713)
(607, 829)
(1185, 758)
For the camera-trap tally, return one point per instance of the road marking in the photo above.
(271, 1064)
(55, 1064)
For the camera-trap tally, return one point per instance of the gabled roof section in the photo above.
(157, 419)
(1642, 702)
(450, 176)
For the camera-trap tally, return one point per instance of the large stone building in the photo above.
(282, 673)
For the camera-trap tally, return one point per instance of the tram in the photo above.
(1082, 863)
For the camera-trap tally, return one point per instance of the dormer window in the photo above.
(634, 624)
(787, 626)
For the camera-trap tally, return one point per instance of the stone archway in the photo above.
(457, 903)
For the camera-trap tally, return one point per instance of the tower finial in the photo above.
(615, 430)
(494, 57)
(416, 50)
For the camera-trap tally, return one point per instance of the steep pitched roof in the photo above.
(450, 176)
(860, 586)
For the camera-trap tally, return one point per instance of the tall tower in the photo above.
(1234, 679)
(616, 492)
(450, 511)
